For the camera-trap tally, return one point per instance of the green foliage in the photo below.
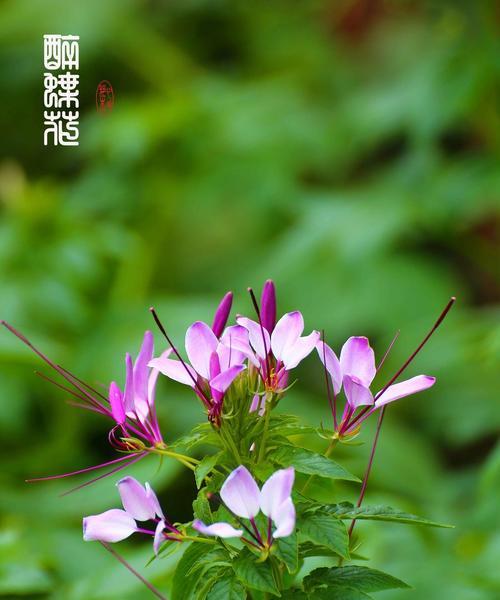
(349, 153)
(255, 574)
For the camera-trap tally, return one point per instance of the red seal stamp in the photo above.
(104, 97)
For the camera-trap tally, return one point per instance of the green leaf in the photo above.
(310, 463)
(337, 593)
(184, 586)
(294, 595)
(201, 508)
(326, 530)
(362, 579)
(227, 588)
(204, 467)
(288, 552)
(346, 510)
(257, 575)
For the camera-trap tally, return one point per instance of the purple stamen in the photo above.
(266, 352)
(80, 471)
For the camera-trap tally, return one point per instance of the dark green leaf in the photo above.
(326, 530)
(358, 578)
(346, 510)
(310, 463)
(201, 508)
(257, 575)
(227, 588)
(337, 593)
(204, 468)
(184, 586)
(287, 551)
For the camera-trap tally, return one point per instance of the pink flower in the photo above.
(214, 363)
(355, 371)
(139, 504)
(242, 496)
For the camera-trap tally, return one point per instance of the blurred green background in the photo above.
(349, 150)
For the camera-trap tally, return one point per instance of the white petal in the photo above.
(175, 370)
(285, 519)
(241, 494)
(405, 388)
(292, 355)
(356, 393)
(287, 331)
(200, 343)
(135, 499)
(223, 530)
(332, 364)
(111, 526)
(276, 490)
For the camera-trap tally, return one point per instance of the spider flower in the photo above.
(355, 371)
(242, 496)
(276, 353)
(214, 363)
(134, 410)
(139, 504)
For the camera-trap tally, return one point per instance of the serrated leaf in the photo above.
(326, 530)
(287, 551)
(184, 587)
(311, 463)
(204, 467)
(362, 579)
(337, 593)
(346, 510)
(256, 575)
(227, 588)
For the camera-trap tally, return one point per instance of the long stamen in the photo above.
(150, 586)
(369, 466)
(115, 470)
(419, 347)
(257, 310)
(382, 411)
(332, 400)
(47, 360)
(80, 471)
(165, 334)
(389, 348)
(59, 385)
(88, 386)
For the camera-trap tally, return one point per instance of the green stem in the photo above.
(230, 445)
(267, 418)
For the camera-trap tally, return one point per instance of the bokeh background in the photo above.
(349, 150)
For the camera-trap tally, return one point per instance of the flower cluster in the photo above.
(240, 371)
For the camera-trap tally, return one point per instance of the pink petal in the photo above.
(292, 355)
(128, 394)
(257, 336)
(276, 490)
(214, 366)
(175, 370)
(255, 403)
(223, 530)
(357, 358)
(111, 526)
(200, 343)
(159, 537)
(332, 364)
(226, 378)
(235, 347)
(153, 377)
(241, 494)
(284, 519)
(356, 393)
(136, 500)
(287, 331)
(405, 388)
(153, 499)
(116, 402)
(141, 373)
(222, 314)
